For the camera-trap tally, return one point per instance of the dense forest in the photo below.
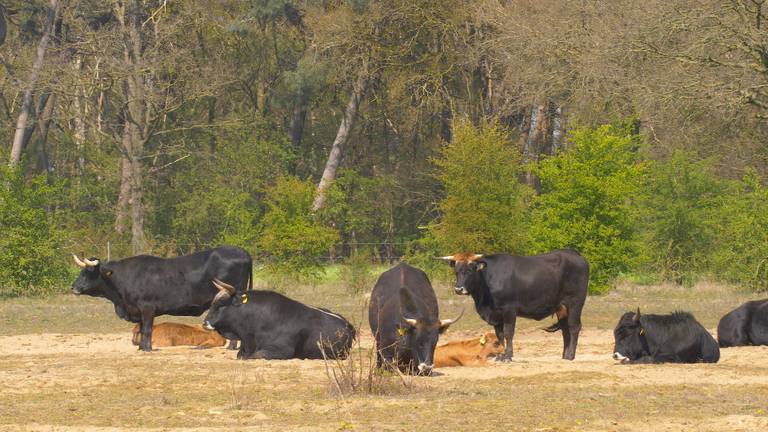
(362, 131)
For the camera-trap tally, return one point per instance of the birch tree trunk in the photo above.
(342, 136)
(22, 123)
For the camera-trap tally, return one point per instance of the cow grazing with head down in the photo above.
(469, 352)
(143, 287)
(745, 325)
(174, 334)
(272, 326)
(403, 316)
(673, 338)
(505, 287)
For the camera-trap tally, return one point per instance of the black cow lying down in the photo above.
(272, 326)
(673, 338)
(745, 325)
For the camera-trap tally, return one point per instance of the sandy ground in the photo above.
(49, 382)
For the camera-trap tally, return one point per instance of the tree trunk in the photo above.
(121, 210)
(134, 129)
(44, 122)
(22, 123)
(557, 128)
(537, 133)
(334, 158)
(78, 119)
(298, 120)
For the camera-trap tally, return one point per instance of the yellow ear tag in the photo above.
(482, 340)
(642, 331)
(244, 298)
(108, 274)
(401, 331)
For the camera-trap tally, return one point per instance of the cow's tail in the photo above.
(553, 328)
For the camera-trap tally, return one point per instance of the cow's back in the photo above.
(384, 308)
(537, 284)
(180, 285)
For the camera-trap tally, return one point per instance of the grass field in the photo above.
(67, 363)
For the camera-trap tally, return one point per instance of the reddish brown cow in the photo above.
(174, 334)
(469, 352)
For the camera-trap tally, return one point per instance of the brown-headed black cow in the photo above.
(505, 287)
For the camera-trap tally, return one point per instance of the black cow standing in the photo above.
(143, 287)
(673, 338)
(403, 315)
(505, 287)
(270, 325)
(745, 325)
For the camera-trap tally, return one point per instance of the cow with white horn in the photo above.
(272, 326)
(505, 287)
(403, 315)
(143, 287)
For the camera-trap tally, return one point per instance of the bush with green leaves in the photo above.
(31, 260)
(361, 208)
(484, 207)
(225, 189)
(739, 252)
(585, 201)
(293, 240)
(678, 213)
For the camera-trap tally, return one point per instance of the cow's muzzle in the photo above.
(207, 325)
(76, 290)
(618, 357)
(460, 290)
(425, 369)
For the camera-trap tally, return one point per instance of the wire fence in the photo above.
(378, 252)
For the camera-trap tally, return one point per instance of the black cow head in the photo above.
(629, 338)
(93, 277)
(225, 299)
(467, 268)
(419, 335)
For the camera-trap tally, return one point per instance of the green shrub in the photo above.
(31, 259)
(356, 273)
(225, 190)
(360, 207)
(740, 250)
(484, 208)
(292, 239)
(678, 214)
(585, 201)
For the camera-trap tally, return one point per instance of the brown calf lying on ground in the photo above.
(469, 352)
(174, 334)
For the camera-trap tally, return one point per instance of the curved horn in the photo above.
(79, 262)
(447, 322)
(410, 321)
(476, 257)
(444, 258)
(91, 263)
(223, 286)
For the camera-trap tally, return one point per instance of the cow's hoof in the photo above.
(504, 359)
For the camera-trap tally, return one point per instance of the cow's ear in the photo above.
(106, 271)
